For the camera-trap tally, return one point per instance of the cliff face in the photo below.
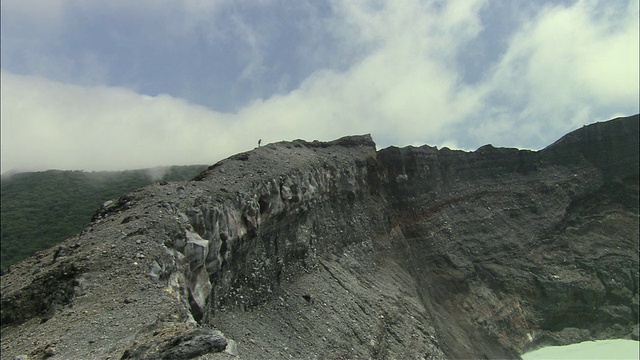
(519, 247)
(334, 250)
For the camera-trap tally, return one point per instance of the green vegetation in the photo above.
(41, 209)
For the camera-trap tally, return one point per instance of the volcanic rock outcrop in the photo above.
(334, 250)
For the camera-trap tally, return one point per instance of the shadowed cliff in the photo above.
(334, 250)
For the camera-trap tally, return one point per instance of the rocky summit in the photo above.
(333, 250)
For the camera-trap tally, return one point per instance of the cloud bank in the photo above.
(395, 70)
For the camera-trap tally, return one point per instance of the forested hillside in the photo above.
(40, 209)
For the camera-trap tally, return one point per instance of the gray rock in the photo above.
(50, 351)
(232, 347)
(198, 342)
(186, 345)
(403, 252)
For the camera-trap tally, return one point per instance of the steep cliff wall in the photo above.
(333, 250)
(524, 248)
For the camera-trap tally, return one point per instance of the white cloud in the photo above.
(36, 10)
(51, 125)
(570, 51)
(403, 90)
(567, 66)
(563, 68)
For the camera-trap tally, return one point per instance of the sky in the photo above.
(113, 85)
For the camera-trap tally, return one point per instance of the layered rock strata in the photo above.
(335, 250)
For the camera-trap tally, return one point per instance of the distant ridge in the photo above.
(41, 209)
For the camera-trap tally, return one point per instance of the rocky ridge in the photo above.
(333, 250)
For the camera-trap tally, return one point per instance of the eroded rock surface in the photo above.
(333, 250)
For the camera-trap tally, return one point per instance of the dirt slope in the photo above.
(336, 251)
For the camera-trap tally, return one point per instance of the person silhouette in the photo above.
(259, 142)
